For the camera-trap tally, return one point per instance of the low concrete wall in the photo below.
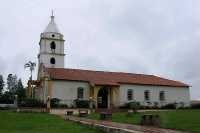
(36, 110)
(7, 105)
(108, 129)
(63, 111)
(105, 129)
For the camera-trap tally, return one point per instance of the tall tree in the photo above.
(21, 92)
(12, 83)
(31, 66)
(1, 84)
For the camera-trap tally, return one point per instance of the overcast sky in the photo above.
(160, 37)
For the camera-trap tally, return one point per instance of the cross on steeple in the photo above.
(52, 15)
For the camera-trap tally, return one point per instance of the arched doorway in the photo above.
(102, 98)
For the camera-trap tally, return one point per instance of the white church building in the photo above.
(106, 89)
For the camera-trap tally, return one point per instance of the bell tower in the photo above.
(51, 53)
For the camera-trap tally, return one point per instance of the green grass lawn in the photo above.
(187, 120)
(11, 122)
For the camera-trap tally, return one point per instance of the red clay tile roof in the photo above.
(110, 78)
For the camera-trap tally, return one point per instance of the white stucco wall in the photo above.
(45, 59)
(42, 93)
(46, 53)
(67, 90)
(46, 47)
(172, 94)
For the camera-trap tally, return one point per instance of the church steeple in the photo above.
(51, 46)
(52, 27)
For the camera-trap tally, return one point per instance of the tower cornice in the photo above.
(52, 53)
(47, 38)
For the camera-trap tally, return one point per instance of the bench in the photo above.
(106, 115)
(83, 113)
(151, 120)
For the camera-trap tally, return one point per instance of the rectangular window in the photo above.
(147, 95)
(162, 96)
(130, 94)
(80, 93)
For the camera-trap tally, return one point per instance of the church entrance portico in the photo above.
(103, 97)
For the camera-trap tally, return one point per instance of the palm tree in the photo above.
(31, 66)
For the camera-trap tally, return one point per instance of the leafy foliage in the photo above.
(1, 84)
(7, 98)
(30, 102)
(82, 103)
(20, 91)
(14, 87)
(31, 66)
(195, 106)
(12, 83)
(169, 106)
(132, 105)
(54, 102)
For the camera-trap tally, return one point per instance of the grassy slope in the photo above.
(188, 120)
(11, 122)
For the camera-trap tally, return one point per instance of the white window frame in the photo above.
(149, 95)
(164, 96)
(132, 94)
(80, 93)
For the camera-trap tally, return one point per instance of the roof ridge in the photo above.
(170, 79)
(107, 76)
(102, 71)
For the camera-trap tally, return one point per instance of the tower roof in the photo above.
(52, 27)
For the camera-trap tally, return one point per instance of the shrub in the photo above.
(195, 106)
(54, 102)
(6, 101)
(82, 103)
(7, 98)
(131, 105)
(62, 106)
(169, 106)
(31, 102)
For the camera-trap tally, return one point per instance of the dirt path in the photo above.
(125, 128)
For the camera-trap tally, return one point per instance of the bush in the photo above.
(169, 106)
(62, 106)
(54, 102)
(195, 106)
(131, 105)
(82, 103)
(6, 101)
(30, 102)
(7, 98)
